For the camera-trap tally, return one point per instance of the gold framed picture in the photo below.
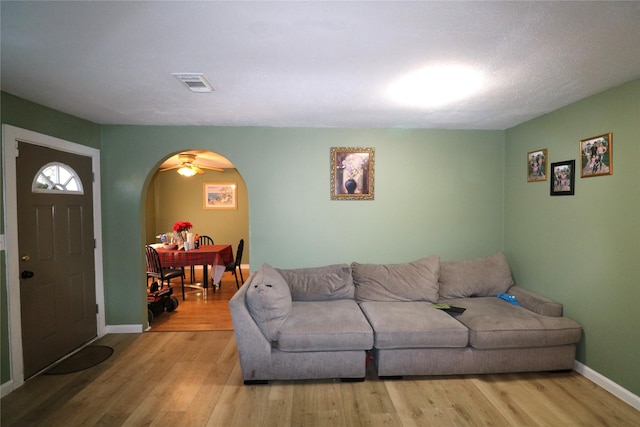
(597, 156)
(537, 165)
(352, 171)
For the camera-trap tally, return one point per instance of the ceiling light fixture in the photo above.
(196, 82)
(436, 86)
(186, 171)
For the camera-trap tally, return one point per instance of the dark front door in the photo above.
(56, 244)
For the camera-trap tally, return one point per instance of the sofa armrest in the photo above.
(536, 303)
(254, 350)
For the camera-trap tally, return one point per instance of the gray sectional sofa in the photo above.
(324, 322)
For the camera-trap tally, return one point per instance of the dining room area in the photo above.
(196, 214)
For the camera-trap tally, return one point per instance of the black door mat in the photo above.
(86, 358)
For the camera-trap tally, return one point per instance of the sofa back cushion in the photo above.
(319, 283)
(414, 281)
(269, 301)
(480, 277)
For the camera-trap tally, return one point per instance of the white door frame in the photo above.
(10, 137)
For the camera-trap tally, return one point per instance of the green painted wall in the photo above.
(27, 115)
(436, 192)
(583, 250)
(174, 198)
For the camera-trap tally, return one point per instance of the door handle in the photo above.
(26, 274)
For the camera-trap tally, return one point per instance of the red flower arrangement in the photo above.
(182, 226)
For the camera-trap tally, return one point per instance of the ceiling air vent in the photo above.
(196, 82)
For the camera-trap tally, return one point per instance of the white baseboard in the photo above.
(124, 329)
(604, 382)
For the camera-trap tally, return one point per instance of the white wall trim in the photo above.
(10, 137)
(124, 329)
(604, 382)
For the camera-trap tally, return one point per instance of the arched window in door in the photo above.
(57, 177)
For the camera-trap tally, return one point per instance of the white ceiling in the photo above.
(312, 64)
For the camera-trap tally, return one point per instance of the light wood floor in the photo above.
(194, 379)
(202, 309)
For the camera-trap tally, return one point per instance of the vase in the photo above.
(179, 237)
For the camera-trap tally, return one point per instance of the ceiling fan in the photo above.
(187, 166)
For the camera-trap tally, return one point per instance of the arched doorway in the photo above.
(173, 197)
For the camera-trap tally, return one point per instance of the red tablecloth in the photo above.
(205, 255)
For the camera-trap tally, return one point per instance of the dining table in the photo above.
(217, 256)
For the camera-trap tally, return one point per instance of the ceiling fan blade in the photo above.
(211, 168)
(189, 164)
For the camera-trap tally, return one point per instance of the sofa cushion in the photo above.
(414, 281)
(494, 324)
(413, 325)
(480, 277)
(319, 283)
(325, 326)
(269, 301)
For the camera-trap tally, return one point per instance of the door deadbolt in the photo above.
(26, 258)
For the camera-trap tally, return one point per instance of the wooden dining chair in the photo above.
(234, 266)
(156, 271)
(205, 240)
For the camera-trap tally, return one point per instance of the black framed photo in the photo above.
(563, 178)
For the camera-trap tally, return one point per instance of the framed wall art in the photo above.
(220, 195)
(537, 165)
(563, 178)
(352, 171)
(597, 156)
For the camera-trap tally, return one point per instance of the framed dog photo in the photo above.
(537, 165)
(597, 156)
(563, 178)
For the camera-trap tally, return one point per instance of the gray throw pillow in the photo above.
(414, 281)
(480, 277)
(269, 301)
(319, 283)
